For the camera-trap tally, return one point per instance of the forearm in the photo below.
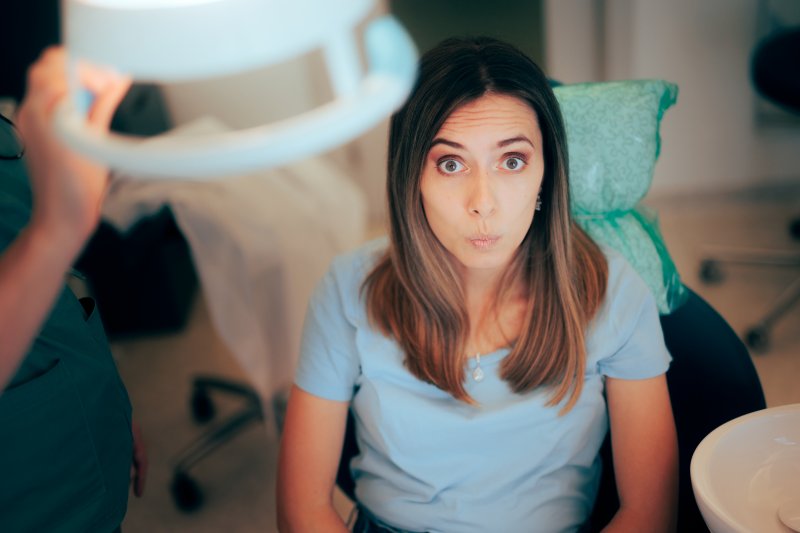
(655, 507)
(649, 503)
(323, 519)
(303, 506)
(626, 520)
(645, 449)
(32, 271)
(310, 452)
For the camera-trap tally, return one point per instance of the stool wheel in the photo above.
(710, 271)
(757, 338)
(794, 228)
(186, 492)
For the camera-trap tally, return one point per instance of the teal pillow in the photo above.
(613, 140)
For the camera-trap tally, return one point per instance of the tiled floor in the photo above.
(239, 480)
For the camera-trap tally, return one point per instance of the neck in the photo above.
(492, 324)
(479, 289)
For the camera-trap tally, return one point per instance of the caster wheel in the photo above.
(757, 338)
(710, 271)
(186, 493)
(794, 228)
(202, 406)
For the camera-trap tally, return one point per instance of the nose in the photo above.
(482, 201)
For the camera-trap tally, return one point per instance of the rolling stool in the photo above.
(186, 492)
(757, 336)
(775, 70)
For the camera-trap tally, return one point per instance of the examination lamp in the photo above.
(184, 40)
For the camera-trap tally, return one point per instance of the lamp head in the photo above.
(183, 40)
(162, 41)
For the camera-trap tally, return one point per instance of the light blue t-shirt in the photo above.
(429, 462)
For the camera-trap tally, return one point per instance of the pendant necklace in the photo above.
(477, 372)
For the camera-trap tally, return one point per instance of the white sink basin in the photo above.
(744, 470)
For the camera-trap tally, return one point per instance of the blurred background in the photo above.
(728, 177)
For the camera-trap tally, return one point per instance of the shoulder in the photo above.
(626, 293)
(625, 338)
(354, 266)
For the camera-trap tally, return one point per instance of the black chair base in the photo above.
(757, 336)
(186, 492)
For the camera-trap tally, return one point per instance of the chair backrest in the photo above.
(711, 380)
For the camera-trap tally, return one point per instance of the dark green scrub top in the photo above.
(65, 418)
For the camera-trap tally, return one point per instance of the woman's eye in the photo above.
(450, 166)
(513, 163)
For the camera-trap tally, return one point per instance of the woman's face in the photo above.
(480, 181)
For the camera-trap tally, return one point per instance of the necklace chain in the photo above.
(477, 372)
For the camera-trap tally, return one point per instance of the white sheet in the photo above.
(260, 243)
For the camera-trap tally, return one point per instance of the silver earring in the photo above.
(538, 202)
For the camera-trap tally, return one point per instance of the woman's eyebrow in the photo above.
(442, 140)
(501, 144)
(512, 140)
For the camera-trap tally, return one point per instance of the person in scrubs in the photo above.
(69, 451)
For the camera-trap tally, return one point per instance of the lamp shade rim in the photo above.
(184, 40)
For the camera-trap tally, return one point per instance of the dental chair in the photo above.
(712, 378)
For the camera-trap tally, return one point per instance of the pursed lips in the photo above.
(483, 242)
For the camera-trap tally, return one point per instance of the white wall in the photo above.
(573, 32)
(711, 141)
(247, 99)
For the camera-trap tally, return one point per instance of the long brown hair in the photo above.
(414, 293)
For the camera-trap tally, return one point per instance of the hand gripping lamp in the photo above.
(183, 40)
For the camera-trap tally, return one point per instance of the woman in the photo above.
(487, 347)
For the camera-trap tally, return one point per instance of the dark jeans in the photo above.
(367, 523)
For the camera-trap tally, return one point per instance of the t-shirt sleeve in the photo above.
(328, 365)
(637, 348)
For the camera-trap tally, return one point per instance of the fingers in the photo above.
(47, 81)
(48, 86)
(68, 188)
(108, 89)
